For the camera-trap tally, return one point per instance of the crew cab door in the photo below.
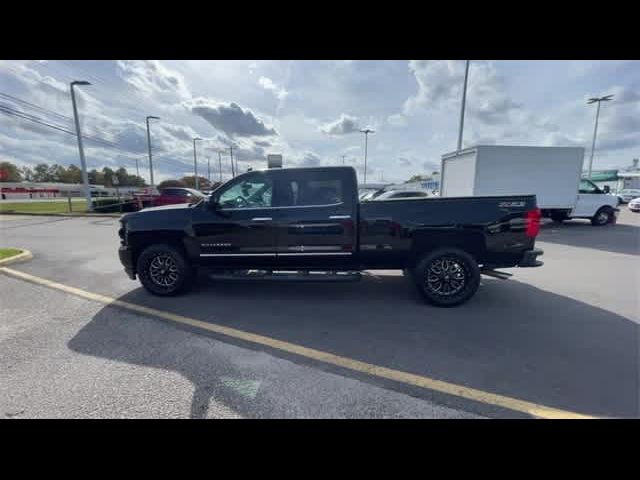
(590, 199)
(237, 228)
(317, 213)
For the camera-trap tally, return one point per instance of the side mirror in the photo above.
(606, 189)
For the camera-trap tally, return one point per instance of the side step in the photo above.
(288, 275)
(496, 274)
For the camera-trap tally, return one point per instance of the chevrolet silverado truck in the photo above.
(307, 223)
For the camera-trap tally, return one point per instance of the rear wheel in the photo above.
(447, 277)
(163, 270)
(602, 217)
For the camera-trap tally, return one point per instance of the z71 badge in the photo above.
(510, 204)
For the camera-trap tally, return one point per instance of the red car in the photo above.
(170, 196)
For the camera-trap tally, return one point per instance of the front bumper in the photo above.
(126, 258)
(529, 258)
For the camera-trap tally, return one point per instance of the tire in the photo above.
(603, 216)
(558, 217)
(173, 273)
(435, 265)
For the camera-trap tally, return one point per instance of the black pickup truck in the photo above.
(309, 221)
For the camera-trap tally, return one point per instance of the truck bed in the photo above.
(491, 227)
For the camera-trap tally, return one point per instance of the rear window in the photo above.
(304, 189)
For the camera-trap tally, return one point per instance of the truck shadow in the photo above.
(511, 339)
(578, 233)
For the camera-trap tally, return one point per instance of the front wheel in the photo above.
(163, 270)
(602, 217)
(447, 277)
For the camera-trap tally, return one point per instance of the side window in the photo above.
(253, 191)
(587, 187)
(169, 192)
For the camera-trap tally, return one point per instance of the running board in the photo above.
(289, 275)
(496, 274)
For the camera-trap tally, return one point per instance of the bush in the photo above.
(112, 205)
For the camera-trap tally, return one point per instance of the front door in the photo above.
(237, 227)
(589, 199)
(316, 211)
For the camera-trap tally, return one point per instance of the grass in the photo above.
(8, 252)
(78, 206)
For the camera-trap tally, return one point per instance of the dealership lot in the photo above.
(564, 336)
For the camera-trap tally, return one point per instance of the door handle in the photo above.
(261, 219)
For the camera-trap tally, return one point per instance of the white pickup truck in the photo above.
(551, 173)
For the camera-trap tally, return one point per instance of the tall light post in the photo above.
(150, 117)
(366, 132)
(220, 163)
(606, 98)
(209, 169)
(83, 163)
(464, 101)
(195, 161)
(343, 159)
(233, 169)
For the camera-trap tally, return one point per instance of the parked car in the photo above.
(309, 220)
(395, 194)
(634, 205)
(170, 196)
(628, 194)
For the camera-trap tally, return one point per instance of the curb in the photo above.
(24, 256)
(98, 215)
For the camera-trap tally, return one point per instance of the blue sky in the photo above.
(311, 111)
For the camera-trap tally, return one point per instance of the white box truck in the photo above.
(553, 174)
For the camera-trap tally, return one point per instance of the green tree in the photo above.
(415, 178)
(108, 175)
(72, 175)
(190, 182)
(27, 174)
(170, 183)
(96, 177)
(41, 173)
(9, 172)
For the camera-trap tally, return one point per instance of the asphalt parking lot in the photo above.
(565, 336)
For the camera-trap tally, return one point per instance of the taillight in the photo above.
(532, 223)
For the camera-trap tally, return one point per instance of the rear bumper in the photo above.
(529, 259)
(126, 258)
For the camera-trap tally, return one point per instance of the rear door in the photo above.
(316, 212)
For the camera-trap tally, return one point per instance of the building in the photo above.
(617, 180)
(18, 190)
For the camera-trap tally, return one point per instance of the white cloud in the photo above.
(344, 125)
(229, 118)
(268, 84)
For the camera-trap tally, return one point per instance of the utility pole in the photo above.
(366, 132)
(233, 169)
(343, 159)
(137, 169)
(195, 162)
(83, 163)
(606, 98)
(149, 147)
(209, 169)
(464, 101)
(220, 164)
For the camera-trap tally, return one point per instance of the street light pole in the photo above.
(233, 169)
(464, 101)
(343, 159)
(366, 132)
(137, 169)
(83, 163)
(606, 98)
(195, 162)
(149, 147)
(209, 169)
(220, 164)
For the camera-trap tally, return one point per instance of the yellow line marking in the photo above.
(514, 404)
